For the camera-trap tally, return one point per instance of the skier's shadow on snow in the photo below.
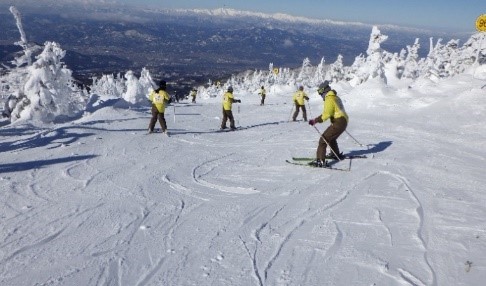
(372, 149)
(25, 166)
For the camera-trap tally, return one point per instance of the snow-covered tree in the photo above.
(336, 70)
(109, 86)
(28, 49)
(49, 92)
(305, 71)
(372, 66)
(320, 73)
(137, 90)
(411, 68)
(41, 90)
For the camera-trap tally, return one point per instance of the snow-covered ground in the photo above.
(99, 202)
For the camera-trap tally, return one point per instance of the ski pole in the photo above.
(291, 110)
(356, 141)
(174, 113)
(308, 105)
(238, 120)
(322, 136)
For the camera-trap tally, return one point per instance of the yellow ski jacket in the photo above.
(228, 99)
(333, 108)
(299, 97)
(158, 99)
(262, 92)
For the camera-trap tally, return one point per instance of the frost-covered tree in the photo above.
(109, 86)
(372, 66)
(336, 70)
(305, 71)
(137, 90)
(48, 92)
(28, 49)
(353, 73)
(411, 68)
(41, 90)
(320, 73)
(473, 52)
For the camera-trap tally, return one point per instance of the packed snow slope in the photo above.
(99, 201)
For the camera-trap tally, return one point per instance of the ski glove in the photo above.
(312, 122)
(238, 100)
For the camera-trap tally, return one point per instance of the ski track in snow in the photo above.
(205, 168)
(406, 275)
(182, 189)
(261, 273)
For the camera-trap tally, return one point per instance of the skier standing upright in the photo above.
(159, 98)
(262, 94)
(299, 100)
(193, 95)
(228, 100)
(333, 110)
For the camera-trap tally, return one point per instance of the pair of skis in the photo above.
(306, 161)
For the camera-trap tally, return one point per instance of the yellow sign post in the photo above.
(481, 23)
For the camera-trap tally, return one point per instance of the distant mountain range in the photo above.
(190, 46)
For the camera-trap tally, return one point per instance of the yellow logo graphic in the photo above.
(481, 23)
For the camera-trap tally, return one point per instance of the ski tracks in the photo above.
(395, 226)
(281, 233)
(218, 168)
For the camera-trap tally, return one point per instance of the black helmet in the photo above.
(324, 84)
(230, 88)
(301, 87)
(162, 83)
(323, 87)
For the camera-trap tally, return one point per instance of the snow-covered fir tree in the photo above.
(372, 66)
(137, 90)
(320, 73)
(109, 86)
(43, 90)
(336, 70)
(305, 72)
(410, 65)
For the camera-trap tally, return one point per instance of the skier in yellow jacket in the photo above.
(333, 110)
(299, 100)
(262, 94)
(193, 95)
(228, 100)
(158, 98)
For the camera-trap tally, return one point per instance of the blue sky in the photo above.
(456, 15)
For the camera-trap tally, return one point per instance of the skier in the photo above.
(298, 98)
(333, 110)
(262, 94)
(228, 100)
(193, 95)
(158, 99)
